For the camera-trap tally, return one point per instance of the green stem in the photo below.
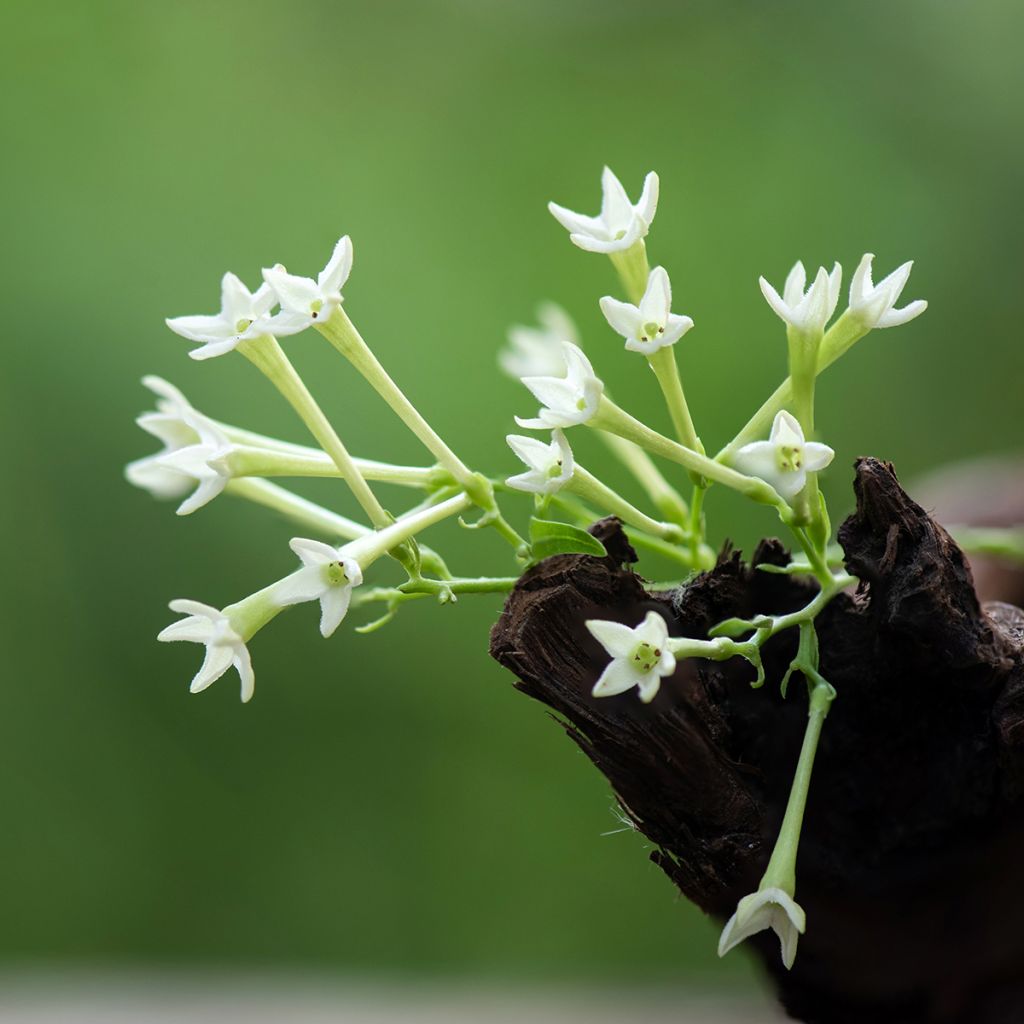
(246, 461)
(611, 418)
(305, 513)
(633, 269)
(781, 871)
(663, 363)
(586, 486)
(665, 498)
(267, 355)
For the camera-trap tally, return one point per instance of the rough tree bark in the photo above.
(913, 844)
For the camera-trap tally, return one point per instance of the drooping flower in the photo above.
(768, 908)
(224, 646)
(806, 309)
(652, 324)
(304, 301)
(640, 656)
(874, 303)
(243, 315)
(328, 575)
(537, 351)
(620, 223)
(550, 465)
(786, 458)
(567, 400)
(203, 462)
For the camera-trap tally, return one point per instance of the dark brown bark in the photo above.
(909, 861)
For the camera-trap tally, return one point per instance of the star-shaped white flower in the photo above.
(874, 303)
(620, 223)
(806, 309)
(243, 314)
(652, 324)
(328, 575)
(224, 647)
(640, 656)
(786, 458)
(769, 908)
(305, 301)
(537, 351)
(567, 400)
(550, 465)
(168, 426)
(204, 461)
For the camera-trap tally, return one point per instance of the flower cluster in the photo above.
(202, 457)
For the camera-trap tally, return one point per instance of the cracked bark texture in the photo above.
(913, 841)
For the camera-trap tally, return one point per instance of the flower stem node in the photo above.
(619, 225)
(640, 656)
(767, 908)
(651, 325)
(569, 400)
(786, 458)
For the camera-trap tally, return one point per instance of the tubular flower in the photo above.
(567, 400)
(619, 225)
(769, 908)
(786, 458)
(550, 466)
(203, 461)
(874, 304)
(328, 575)
(806, 309)
(304, 301)
(640, 656)
(652, 324)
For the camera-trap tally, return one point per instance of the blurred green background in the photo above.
(389, 802)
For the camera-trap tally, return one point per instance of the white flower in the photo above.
(806, 310)
(619, 225)
(786, 458)
(769, 908)
(305, 301)
(167, 425)
(873, 304)
(640, 656)
(203, 461)
(537, 351)
(651, 325)
(243, 314)
(327, 575)
(567, 400)
(224, 646)
(550, 465)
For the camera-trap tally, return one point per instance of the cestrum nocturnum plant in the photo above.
(328, 575)
(550, 466)
(806, 309)
(305, 301)
(652, 324)
(619, 225)
(874, 304)
(640, 656)
(336, 552)
(767, 908)
(243, 315)
(569, 400)
(537, 351)
(785, 459)
(223, 639)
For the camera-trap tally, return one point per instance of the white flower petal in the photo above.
(574, 223)
(616, 209)
(618, 677)
(657, 299)
(647, 206)
(333, 277)
(305, 584)
(786, 429)
(757, 459)
(243, 665)
(314, 552)
(216, 662)
(775, 300)
(296, 294)
(795, 285)
(531, 452)
(333, 607)
(618, 640)
(652, 630)
(895, 317)
(622, 317)
(817, 456)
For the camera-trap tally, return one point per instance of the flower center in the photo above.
(315, 307)
(789, 457)
(651, 330)
(335, 574)
(243, 325)
(645, 656)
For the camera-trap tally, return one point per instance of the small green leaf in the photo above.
(732, 628)
(549, 538)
